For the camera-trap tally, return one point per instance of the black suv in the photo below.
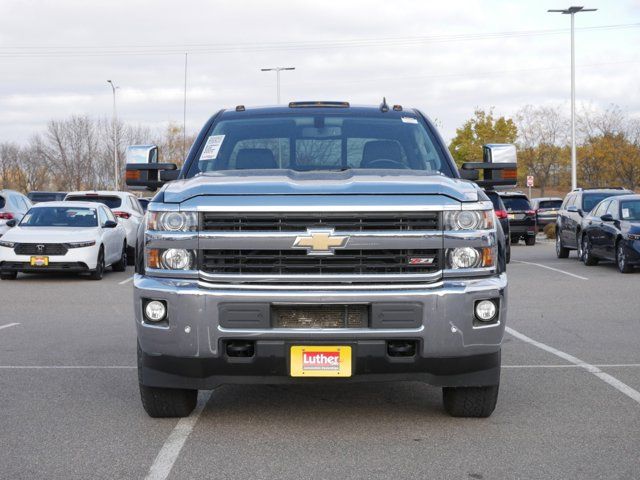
(522, 217)
(576, 205)
(503, 217)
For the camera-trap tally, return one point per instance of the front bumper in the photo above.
(75, 260)
(452, 347)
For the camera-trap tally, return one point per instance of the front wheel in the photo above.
(561, 251)
(621, 259)
(530, 240)
(98, 273)
(473, 402)
(8, 275)
(508, 253)
(165, 402)
(586, 252)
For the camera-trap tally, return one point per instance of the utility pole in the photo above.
(572, 11)
(115, 137)
(184, 111)
(277, 70)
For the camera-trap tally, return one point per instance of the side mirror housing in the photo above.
(110, 224)
(607, 217)
(143, 170)
(11, 223)
(499, 165)
(472, 175)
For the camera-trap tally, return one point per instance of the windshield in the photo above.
(321, 142)
(630, 210)
(111, 202)
(516, 203)
(590, 200)
(550, 204)
(60, 217)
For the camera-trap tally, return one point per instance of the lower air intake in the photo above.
(320, 316)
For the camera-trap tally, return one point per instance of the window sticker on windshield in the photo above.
(211, 148)
(626, 213)
(409, 120)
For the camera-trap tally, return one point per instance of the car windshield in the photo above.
(111, 202)
(60, 217)
(590, 200)
(550, 204)
(516, 203)
(321, 142)
(630, 210)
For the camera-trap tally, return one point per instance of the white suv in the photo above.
(13, 206)
(125, 207)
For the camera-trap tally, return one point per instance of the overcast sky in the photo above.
(444, 57)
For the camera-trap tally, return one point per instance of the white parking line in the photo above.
(571, 365)
(551, 268)
(126, 281)
(605, 377)
(169, 452)
(8, 325)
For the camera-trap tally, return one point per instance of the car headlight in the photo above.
(4, 243)
(469, 257)
(468, 220)
(81, 244)
(170, 259)
(172, 221)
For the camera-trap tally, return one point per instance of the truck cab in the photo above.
(320, 242)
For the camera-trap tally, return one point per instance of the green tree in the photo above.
(479, 130)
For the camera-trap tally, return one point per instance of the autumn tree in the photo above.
(542, 144)
(479, 130)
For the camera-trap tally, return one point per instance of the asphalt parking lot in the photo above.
(569, 405)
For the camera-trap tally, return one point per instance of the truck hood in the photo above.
(349, 182)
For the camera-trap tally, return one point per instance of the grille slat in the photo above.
(48, 249)
(282, 262)
(284, 222)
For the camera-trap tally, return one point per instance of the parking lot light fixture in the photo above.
(572, 11)
(277, 70)
(115, 136)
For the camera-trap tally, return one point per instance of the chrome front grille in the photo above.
(299, 222)
(296, 262)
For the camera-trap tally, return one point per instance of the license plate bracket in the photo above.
(39, 261)
(320, 361)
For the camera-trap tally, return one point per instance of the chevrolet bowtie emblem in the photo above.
(320, 242)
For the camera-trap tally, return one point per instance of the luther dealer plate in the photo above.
(39, 261)
(320, 361)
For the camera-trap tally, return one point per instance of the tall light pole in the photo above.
(115, 136)
(277, 70)
(572, 11)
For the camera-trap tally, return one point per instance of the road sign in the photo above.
(529, 181)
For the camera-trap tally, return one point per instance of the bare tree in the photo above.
(8, 164)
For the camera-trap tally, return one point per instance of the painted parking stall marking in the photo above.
(551, 268)
(9, 325)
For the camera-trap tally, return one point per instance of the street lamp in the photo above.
(277, 70)
(572, 11)
(115, 135)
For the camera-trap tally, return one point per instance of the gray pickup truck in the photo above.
(320, 242)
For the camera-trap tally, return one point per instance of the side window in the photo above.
(568, 201)
(613, 209)
(600, 209)
(102, 216)
(134, 204)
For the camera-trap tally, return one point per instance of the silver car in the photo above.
(13, 206)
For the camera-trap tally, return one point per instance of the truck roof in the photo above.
(320, 108)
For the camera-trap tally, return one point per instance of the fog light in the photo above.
(486, 310)
(155, 310)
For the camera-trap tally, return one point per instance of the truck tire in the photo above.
(165, 402)
(530, 240)
(472, 402)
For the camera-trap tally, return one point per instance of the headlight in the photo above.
(468, 220)
(172, 221)
(170, 259)
(469, 257)
(4, 243)
(81, 244)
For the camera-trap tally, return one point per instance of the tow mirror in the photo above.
(499, 166)
(607, 217)
(143, 169)
(11, 223)
(472, 175)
